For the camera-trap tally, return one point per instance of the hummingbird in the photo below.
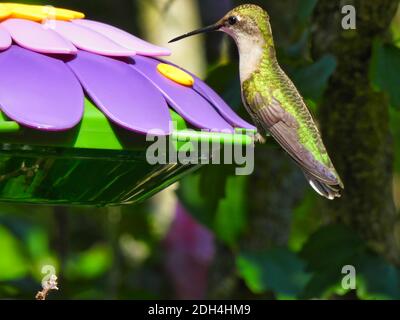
(271, 98)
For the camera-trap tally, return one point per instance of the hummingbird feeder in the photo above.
(78, 99)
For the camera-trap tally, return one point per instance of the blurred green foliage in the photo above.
(278, 270)
(384, 68)
(223, 210)
(312, 79)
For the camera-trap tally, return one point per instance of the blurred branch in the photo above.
(50, 285)
(160, 26)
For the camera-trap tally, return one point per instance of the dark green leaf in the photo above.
(322, 284)
(312, 80)
(189, 194)
(384, 70)
(300, 48)
(90, 264)
(305, 9)
(194, 192)
(395, 129)
(230, 219)
(278, 270)
(224, 209)
(13, 264)
(225, 80)
(332, 247)
(305, 221)
(377, 279)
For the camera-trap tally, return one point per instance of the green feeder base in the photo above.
(57, 176)
(96, 164)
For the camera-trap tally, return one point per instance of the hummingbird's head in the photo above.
(249, 26)
(245, 23)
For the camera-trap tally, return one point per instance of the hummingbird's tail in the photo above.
(329, 191)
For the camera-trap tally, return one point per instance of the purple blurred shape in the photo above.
(5, 38)
(36, 37)
(123, 94)
(39, 91)
(190, 250)
(124, 38)
(187, 102)
(89, 40)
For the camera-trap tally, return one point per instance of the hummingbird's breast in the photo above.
(273, 84)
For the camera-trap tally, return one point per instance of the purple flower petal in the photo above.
(39, 91)
(34, 36)
(223, 108)
(226, 111)
(89, 40)
(5, 39)
(123, 94)
(187, 102)
(124, 38)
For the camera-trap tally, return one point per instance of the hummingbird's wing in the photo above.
(284, 128)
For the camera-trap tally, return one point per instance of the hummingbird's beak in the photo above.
(211, 28)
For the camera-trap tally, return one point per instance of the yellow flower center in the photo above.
(36, 13)
(175, 74)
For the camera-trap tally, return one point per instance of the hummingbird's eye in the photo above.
(232, 20)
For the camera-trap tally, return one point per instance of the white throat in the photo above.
(250, 53)
(251, 50)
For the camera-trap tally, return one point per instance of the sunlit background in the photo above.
(217, 235)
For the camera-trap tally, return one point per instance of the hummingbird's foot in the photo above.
(259, 138)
